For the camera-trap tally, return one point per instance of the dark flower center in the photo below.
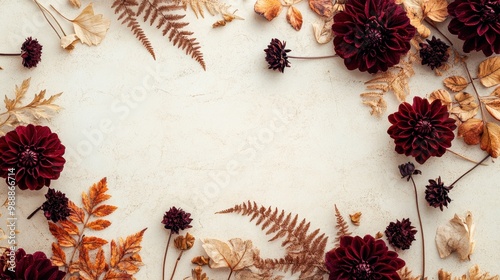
(362, 271)
(423, 127)
(28, 157)
(491, 12)
(373, 34)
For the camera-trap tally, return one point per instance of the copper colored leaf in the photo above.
(132, 244)
(456, 83)
(130, 264)
(457, 236)
(100, 262)
(493, 107)
(323, 8)
(294, 17)
(442, 95)
(69, 227)
(124, 256)
(98, 191)
(76, 214)
(471, 131)
(268, 8)
(63, 238)
(58, 256)
(490, 141)
(115, 254)
(489, 71)
(236, 255)
(117, 275)
(87, 204)
(104, 210)
(92, 242)
(90, 28)
(98, 224)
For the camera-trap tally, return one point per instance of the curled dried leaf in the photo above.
(436, 10)
(323, 31)
(457, 236)
(184, 242)
(467, 108)
(442, 95)
(294, 17)
(200, 260)
(68, 42)
(355, 218)
(489, 71)
(490, 141)
(379, 235)
(323, 8)
(493, 107)
(456, 83)
(268, 8)
(471, 131)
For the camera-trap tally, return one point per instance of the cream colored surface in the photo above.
(166, 133)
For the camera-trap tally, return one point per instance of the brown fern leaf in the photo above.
(162, 14)
(304, 250)
(342, 227)
(124, 9)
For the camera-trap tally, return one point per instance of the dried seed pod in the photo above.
(200, 260)
(184, 242)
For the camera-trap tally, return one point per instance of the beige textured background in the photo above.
(300, 141)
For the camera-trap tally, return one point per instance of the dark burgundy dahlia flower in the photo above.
(422, 130)
(401, 234)
(34, 266)
(372, 35)
(434, 53)
(176, 219)
(34, 154)
(362, 258)
(55, 208)
(477, 23)
(31, 52)
(436, 194)
(277, 55)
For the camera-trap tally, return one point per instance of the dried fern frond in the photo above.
(304, 250)
(17, 114)
(342, 227)
(406, 274)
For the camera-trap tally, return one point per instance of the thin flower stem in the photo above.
(464, 157)
(60, 13)
(433, 25)
(475, 90)
(34, 212)
(176, 263)
(468, 171)
(43, 10)
(421, 227)
(10, 54)
(230, 273)
(165, 256)
(312, 57)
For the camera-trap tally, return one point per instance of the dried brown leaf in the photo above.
(90, 28)
(456, 83)
(69, 227)
(268, 8)
(236, 255)
(490, 141)
(489, 71)
(323, 8)
(63, 238)
(92, 242)
(493, 107)
(76, 214)
(294, 17)
(103, 210)
(416, 20)
(323, 30)
(471, 131)
(355, 218)
(124, 256)
(467, 108)
(442, 95)
(444, 275)
(457, 236)
(436, 10)
(58, 256)
(341, 225)
(496, 92)
(98, 224)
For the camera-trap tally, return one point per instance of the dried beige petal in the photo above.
(294, 17)
(89, 28)
(490, 141)
(456, 237)
(355, 218)
(489, 71)
(456, 83)
(471, 131)
(68, 42)
(323, 31)
(442, 95)
(268, 8)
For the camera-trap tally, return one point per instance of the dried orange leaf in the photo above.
(87, 204)
(113, 275)
(436, 10)
(323, 8)
(104, 210)
(58, 256)
(294, 17)
(90, 28)
(92, 242)
(98, 224)
(490, 141)
(69, 227)
(76, 214)
(471, 131)
(457, 236)
(98, 191)
(115, 254)
(489, 71)
(493, 107)
(268, 8)
(63, 238)
(442, 95)
(456, 83)
(132, 243)
(237, 255)
(130, 264)
(100, 262)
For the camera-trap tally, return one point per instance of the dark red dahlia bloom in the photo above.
(422, 130)
(372, 35)
(34, 266)
(401, 234)
(55, 208)
(31, 52)
(34, 153)
(362, 258)
(407, 170)
(435, 53)
(176, 219)
(477, 23)
(276, 55)
(436, 194)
